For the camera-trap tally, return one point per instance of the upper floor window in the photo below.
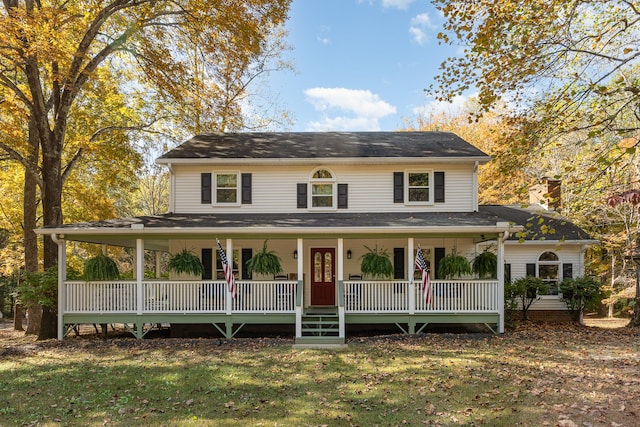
(226, 189)
(418, 187)
(322, 185)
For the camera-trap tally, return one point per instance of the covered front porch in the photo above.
(322, 292)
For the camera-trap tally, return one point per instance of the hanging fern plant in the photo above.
(454, 265)
(376, 263)
(485, 265)
(186, 262)
(100, 267)
(264, 262)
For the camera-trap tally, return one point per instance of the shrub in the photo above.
(527, 290)
(579, 294)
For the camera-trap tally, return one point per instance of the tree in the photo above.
(570, 67)
(52, 52)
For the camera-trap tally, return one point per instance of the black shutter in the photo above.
(398, 263)
(531, 270)
(205, 188)
(247, 253)
(567, 271)
(507, 273)
(302, 196)
(246, 189)
(398, 187)
(438, 177)
(343, 196)
(207, 262)
(438, 254)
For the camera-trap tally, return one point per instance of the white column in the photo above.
(158, 264)
(139, 271)
(341, 326)
(300, 287)
(62, 287)
(410, 267)
(500, 273)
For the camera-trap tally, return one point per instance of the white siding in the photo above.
(370, 188)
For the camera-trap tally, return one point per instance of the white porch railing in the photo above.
(100, 297)
(452, 296)
(446, 296)
(180, 297)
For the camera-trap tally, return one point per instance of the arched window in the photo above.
(549, 270)
(322, 186)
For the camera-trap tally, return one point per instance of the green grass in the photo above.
(528, 377)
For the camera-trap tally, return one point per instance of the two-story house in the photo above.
(321, 200)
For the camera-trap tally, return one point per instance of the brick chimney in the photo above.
(547, 193)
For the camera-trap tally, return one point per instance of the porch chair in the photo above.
(284, 296)
(352, 295)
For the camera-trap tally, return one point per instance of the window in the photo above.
(226, 188)
(419, 189)
(549, 271)
(322, 186)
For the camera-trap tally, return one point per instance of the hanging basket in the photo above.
(376, 263)
(264, 262)
(186, 262)
(100, 267)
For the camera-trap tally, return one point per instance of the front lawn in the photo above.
(536, 375)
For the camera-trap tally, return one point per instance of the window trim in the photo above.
(431, 186)
(322, 181)
(214, 186)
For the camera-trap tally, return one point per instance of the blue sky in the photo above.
(360, 64)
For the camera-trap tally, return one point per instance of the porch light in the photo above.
(295, 254)
(349, 253)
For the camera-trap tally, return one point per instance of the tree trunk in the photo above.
(17, 318)
(29, 218)
(635, 319)
(52, 215)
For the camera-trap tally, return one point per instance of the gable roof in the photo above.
(258, 146)
(539, 225)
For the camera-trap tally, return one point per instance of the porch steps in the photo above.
(320, 329)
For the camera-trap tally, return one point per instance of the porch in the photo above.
(141, 304)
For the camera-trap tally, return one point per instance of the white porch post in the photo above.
(500, 272)
(139, 274)
(62, 278)
(410, 268)
(341, 326)
(158, 264)
(300, 287)
(229, 297)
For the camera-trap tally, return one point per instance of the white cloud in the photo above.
(419, 24)
(347, 109)
(418, 35)
(396, 4)
(324, 40)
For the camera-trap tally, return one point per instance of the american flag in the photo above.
(421, 265)
(228, 271)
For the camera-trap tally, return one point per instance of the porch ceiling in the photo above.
(157, 230)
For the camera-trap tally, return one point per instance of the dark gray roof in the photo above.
(299, 220)
(536, 222)
(313, 145)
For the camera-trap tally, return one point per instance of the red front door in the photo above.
(323, 273)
